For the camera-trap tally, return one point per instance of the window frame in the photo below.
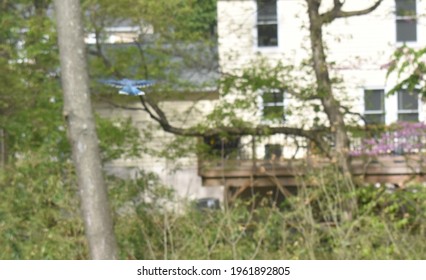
(381, 112)
(267, 22)
(407, 111)
(264, 105)
(404, 18)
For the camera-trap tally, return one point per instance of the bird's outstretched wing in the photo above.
(127, 82)
(112, 82)
(142, 83)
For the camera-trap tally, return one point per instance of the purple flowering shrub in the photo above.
(401, 138)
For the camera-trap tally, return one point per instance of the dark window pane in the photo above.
(405, 7)
(273, 112)
(410, 117)
(406, 30)
(374, 100)
(267, 35)
(273, 149)
(408, 100)
(273, 97)
(375, 118)
(266, 10)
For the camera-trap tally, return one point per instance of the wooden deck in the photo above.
(398, 170)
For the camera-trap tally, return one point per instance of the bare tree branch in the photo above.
(160, 117)
(157, 114)
(260, 130)
(99, 50)
(143, 58)
(336, 11)
(348, 111)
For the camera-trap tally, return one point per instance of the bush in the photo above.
(39, 219)
(387, 225)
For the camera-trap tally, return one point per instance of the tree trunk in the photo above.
(81, 130)
(330, 103)
(325, 90)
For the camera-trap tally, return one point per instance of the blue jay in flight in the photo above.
(129, 87)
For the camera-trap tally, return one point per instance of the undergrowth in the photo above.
(388, 224)
(39, 219)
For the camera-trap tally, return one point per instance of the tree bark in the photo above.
(325, 90)
(81, 130)
(331, 105)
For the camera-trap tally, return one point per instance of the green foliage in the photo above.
(387, 225)
(39, 210)
(261, 76)
(409, 65)
(177, 148)
(248, 87)
(404, 208)
(176, 19)
(175, 37)
(201, 19)
(40, 220)
(269, 233)
(118, 139)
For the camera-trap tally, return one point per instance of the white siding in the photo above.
(180, 174)
(359, 47)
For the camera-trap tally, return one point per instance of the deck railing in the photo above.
(403, 138)
(400, 139)
(395, 156)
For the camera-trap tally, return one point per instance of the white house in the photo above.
(359, 51)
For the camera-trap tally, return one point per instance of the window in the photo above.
(408, 106)
(406, 21)
(273, 151)
(267, 25)
(273, 105)
(374, 106)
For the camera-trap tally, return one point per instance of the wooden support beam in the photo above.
(398, 170)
